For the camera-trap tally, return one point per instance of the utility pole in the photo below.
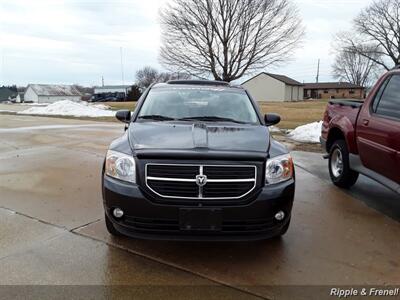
(317, 78)
(122, 67)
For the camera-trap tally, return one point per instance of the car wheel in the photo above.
(110, 227)
(285, 229)
(282, 232)
(339, 166)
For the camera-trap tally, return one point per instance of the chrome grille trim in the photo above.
(194, 180)
(200, 189)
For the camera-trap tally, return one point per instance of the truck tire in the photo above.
(110, 227)
(339, 166)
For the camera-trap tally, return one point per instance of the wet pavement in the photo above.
(52, 229)
(366, 190)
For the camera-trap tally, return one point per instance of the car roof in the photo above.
(198, 83)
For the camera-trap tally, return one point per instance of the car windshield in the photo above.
(198, 103)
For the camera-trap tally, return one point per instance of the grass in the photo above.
(293, 114)
(121, 105)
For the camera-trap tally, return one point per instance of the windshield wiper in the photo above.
(211, 119)
(156, 117)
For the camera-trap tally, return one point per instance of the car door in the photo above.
(378, 130)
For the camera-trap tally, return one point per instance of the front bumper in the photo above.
(146, 219)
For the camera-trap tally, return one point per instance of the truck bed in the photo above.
(344, 109)
(348, 102)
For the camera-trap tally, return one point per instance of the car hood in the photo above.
(207, 136)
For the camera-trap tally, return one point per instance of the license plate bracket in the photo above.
(200, 219)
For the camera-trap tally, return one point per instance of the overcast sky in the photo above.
(79, 41)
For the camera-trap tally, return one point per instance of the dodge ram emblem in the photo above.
(201, 180)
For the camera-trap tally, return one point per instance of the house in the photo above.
(20, 97)
(333, 90)
(7, 94)
(49, 93)
(274, 87)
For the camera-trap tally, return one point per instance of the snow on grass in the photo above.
(70, 108)
(309, 133)
(32, 104)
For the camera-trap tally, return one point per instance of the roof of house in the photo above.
(282, 78)
(113, 87)
(55, 90)
(331, 85)
(6, 93)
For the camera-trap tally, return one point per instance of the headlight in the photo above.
(279, 169)
(120, 166)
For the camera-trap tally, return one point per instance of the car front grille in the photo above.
(205, 182)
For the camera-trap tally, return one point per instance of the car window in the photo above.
(389, 104)
(378, 95)
(194, 102)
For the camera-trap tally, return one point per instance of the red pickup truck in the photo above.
(363, 137)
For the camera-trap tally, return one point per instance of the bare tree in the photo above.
(149, 75)
(146, 76)
(228, 38)
(167, 76)
(377, 36)
(355, 68)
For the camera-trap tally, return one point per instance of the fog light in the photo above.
(118, 213)
(280, 216)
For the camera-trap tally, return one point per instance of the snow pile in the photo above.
(273, 129)
(69, 108)
(309, 133)
(33, 104)
(101, 106)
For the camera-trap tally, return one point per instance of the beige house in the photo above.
(274, 87)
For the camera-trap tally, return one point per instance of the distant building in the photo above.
(274, 87)
(49, 93)
(333, 90)
(7, 94)
(110, 89)
(111, 93)
(20, 97)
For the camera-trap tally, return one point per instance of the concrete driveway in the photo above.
(52, 229)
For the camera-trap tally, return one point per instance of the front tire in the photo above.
(339, 166)
(285, 229)
(110, 227)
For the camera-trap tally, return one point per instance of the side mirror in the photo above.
(123, 115)
(272, 119)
